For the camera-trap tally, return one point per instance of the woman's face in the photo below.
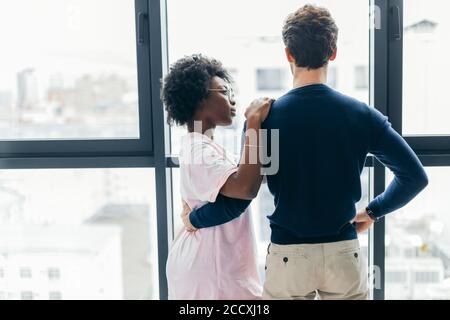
(219, 107)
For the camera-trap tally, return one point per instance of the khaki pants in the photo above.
(328, 271)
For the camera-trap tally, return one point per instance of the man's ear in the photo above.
(289, 55)
(333, 57)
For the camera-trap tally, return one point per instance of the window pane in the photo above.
(73, 74)
(361, 77)
(78, 234)
(425, 102)
(418, 243)
(254, 52)
(271, 79)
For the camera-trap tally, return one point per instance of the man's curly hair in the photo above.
(187, 84)
(311, 35)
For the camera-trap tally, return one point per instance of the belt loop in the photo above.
(268, 248)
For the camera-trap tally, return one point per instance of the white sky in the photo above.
(190, 22)
(59, 34)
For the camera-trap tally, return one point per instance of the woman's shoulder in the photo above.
(196, 147)
(196, 141)
(194, 138)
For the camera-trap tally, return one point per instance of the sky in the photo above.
(66, 35)
(71, 36)
(248, 19)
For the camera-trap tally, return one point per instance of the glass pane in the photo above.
(418, 243)
(254, 52)
(78, 234)
(254, 55)
(73, 74)
(425, 101)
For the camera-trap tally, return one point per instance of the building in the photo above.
(27, 90)
(133, 221)
(57, 262)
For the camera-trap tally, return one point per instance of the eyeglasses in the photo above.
(228, 91)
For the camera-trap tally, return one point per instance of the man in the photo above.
(325, 137)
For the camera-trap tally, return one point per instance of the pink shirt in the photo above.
(215, 263)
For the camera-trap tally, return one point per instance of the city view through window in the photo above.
(417, 257)
(69, 76)
(78, 234)
(73, 234)
(254, 55)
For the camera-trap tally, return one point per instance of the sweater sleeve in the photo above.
(393, 151)
(223, 210)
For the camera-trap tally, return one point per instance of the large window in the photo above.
(254, 53)
(75, 79)
(415, 244)
(65, 75)
(78, 215)
(76, 91)
(425, 69)
(78, 234)
(403, 80)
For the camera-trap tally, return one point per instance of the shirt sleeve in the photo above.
(393, 151)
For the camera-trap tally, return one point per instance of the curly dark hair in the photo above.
(311, 35)
(187, 84)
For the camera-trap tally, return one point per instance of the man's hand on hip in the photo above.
(362, 221)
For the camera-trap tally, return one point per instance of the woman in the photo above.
(215, 263)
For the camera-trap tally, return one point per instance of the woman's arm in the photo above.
(245, 183)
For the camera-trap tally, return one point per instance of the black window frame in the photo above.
(433, 151)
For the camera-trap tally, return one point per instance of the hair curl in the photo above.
(187, 84)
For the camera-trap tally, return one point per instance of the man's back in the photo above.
(325, 137)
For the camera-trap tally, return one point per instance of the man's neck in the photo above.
(304, 77)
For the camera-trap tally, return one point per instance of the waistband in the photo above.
(284, 237)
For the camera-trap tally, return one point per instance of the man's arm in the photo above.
(410, 177)
(223, 210)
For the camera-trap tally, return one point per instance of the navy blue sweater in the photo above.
(325, 138)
